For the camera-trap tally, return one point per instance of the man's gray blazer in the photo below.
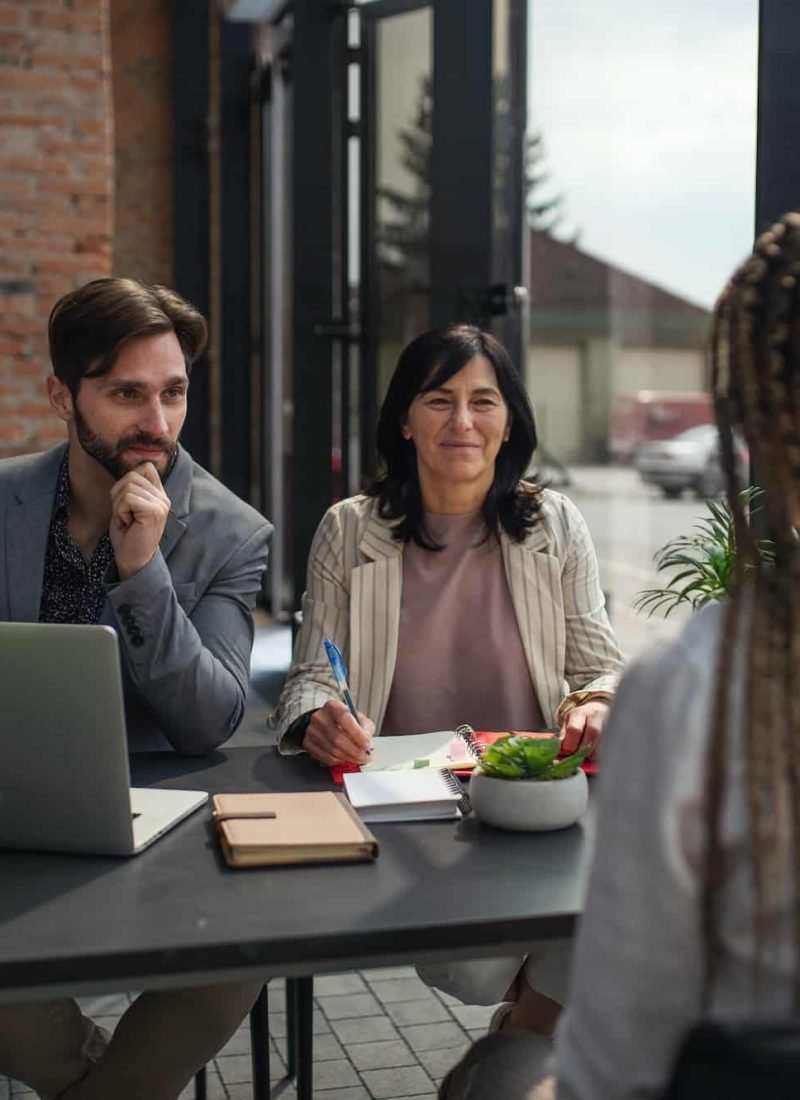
(185, 621)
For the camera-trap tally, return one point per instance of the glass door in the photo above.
(396, 150)
(441, 123)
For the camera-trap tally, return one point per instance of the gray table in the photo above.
(176, 915)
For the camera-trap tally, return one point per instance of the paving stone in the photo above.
(245, 1092)
(237, 1069)
(277, 1024)
(215, 1090)
(403, 1081)
(334, 1075)
(423, 1011)
(392, 990)
(356, 1092)
(473, 1016)
(380, 972)
(109, 1004)
(326, 1048)
(18, 1089)
(446, 998)
(239, 1042)
(382, 1055)
(327, 985)
(417, 1096)
(368, 1030)
(349, 1005)
(441, 1061)
(107, 1022)
(430, 1036)
(5, 1088)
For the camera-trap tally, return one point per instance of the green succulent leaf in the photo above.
(568, 766)
(516, 757)
(503, 769)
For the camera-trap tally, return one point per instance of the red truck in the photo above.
(646, 415)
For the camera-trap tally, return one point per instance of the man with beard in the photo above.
(120, 526)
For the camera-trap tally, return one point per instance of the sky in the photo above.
(648, 113)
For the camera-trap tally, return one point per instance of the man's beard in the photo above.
(109, 455)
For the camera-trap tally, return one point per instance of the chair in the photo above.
(738, 1062)
(299, 1042)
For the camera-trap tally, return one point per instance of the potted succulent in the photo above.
(520, 784)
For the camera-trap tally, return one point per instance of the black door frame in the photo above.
(318, 145)
(464, 281)
(778, 125)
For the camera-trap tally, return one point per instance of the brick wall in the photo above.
(56, 190)
(141, 54)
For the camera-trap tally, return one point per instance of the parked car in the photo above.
(689, 461)
(646, 415)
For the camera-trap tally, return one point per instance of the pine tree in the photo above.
(403, 227)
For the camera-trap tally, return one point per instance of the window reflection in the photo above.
(644, 119)
(403, 105)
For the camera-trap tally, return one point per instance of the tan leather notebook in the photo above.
(258, 830)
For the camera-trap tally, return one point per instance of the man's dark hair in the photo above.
(424, 365)
(89, 326)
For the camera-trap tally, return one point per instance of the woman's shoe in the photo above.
(547, 967)
(500, 1016)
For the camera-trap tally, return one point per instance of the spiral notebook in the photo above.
(449, 749)
(423, 795)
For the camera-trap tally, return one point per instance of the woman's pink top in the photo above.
(459, 654)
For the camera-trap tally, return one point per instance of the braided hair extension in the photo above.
(755, 354)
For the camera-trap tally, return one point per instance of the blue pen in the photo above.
(339, 669)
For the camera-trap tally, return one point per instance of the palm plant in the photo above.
(702, 564)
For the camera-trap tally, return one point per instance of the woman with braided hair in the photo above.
(692, 911)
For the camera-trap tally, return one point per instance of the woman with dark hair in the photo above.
(458, 591)
(693, 905)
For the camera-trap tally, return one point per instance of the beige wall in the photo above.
(571, 387)
(554, 386)
(658, 369)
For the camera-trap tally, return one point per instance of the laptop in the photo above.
(64, 778)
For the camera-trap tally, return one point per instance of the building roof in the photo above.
(574, 295)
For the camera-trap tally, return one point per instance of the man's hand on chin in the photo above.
(139, 510)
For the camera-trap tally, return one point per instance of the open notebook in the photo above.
(414, 751)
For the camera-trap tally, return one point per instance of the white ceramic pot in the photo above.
(528, 805)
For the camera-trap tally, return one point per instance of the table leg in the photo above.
(200, 1084)
(291, 1027)
(259, 1045)
(304, 1051)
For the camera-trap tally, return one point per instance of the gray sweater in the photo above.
(637, 970)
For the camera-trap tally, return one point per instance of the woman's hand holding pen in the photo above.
(334, 737)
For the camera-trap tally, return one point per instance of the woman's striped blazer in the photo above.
(354, 583)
